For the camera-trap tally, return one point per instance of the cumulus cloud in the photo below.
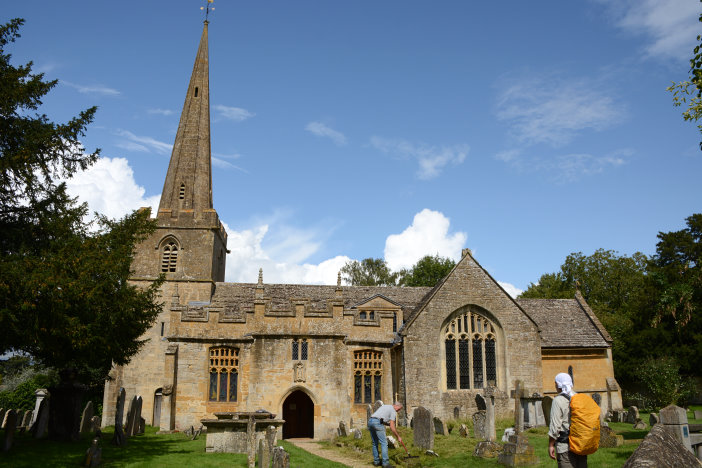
(94, 89)
(554, 110)
(427, 235)
(321, 130)
(109, 188)
(143, 144)
(669, 26)
(431, 159)
(237, 114)
(511, 289)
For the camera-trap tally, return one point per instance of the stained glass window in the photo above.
(490, 361)
(224, 373)
(295, 348)
(472, 362)
(477, 363)
(450, 364)
(304, 350)
(464, 363)
(368, 376)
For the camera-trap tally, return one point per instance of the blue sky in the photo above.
(343, 130)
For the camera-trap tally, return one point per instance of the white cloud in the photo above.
(94, 89)
(237, 114)
(554, 110)
(320, 129)
(572, 166)
(508, 155)
(159, 111)
(670, 26)
(511, 289)
(109, 188)
(427, 235)
(145, 144)
(431, 159)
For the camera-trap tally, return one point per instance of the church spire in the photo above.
(188, 185)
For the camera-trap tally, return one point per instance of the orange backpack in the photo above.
(584, 437)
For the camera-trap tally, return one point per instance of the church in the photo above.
(316, 355)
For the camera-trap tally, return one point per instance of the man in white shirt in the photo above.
(385, 416)
(559, 427)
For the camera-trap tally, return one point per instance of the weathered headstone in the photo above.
(392, 442)
(10, 425)
(357, 434)
(463, 430)
(342, 431)
(660, 449)
(119, 438)
(377, 404)
(632, 414)
(264, 456)
(423, 428)
(251, 441)
(142, 426)
(26, 419)
(517, 394)
(456, 412)
(131, 413)
(598, 398)
(369, 412)
(93, 456)
(479, 425)
(41, 423)
(271, 435)
(440, 427)
(281, 458)
(490, 432)
(480, 402)
(487, 449)
(698, 414)
(508, 432)
(3, 412)
(4, 419)
(609, 438)
(40, 394)
(137, 414)
(653, 419)
(85, 420)
(639, 424)
(517, 452)
(674, 419)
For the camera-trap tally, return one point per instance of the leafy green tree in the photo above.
(663, 383)
(368, 272)
(688, 93)
(428, 271)
(65, 298)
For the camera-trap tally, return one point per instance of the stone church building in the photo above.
(316, 355)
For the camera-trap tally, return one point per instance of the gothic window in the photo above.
(169, 257)
(470, 346)
(224, 373)
(299, 349)
(367, 376)
(181, 193)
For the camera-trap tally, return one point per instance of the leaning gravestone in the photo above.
(639, 424)
(281, 458)
(487, 449)
(119, 438)
(463, 430)
(632, 414)
(131, 413)
(41, 423)
(10, 425)
(653, 419)
(660, 449)
(93, 456)
(479, 425)
(357, 434)
(440, 427)
(3, 412)
(40, 394)
(342, 431)
(377, 404)
(423, 428)
(137, 415)
(86, 418)
(4, 419)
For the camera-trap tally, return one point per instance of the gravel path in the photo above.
(314, 448)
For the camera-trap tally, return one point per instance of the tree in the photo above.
(428, 271)
(368, 272)
(65, 298)
(689, 92)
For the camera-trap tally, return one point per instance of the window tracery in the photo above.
(368, 376)
(224, 374)
(169, 256)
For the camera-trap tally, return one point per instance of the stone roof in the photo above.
(566, 323)
(319, 296)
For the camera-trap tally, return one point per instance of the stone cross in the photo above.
(517, 394)
(251, 442)
(490, 430)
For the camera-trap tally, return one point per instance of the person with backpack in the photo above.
(574, 429)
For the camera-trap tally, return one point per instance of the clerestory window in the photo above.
(367, 376)
(224, 373)
(470, 347)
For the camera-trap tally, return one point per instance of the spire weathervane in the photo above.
(207, 9)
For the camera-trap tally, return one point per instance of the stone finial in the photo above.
(260, 276)
(465, 252)
(338, 279)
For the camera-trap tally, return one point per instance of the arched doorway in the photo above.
(298, 413)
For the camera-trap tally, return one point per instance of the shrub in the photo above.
(663, 383)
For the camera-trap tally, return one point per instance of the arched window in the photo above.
(299, 349)
(367, 376)
(471, 352)
(224, 373)
(169, 257)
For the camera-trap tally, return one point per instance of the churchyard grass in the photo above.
(148, 450)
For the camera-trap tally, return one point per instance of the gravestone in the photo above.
(674, 420)
(3, 412)
(463, 430)
(517, 394)
(27, 419)
(440, 427)
(264, 456)
(632, 414)
(4, 419)
(281, 458)
(357, 434)
(517, 452)
(392, 442)
(10, 425)
(137, 415)
(653, 419)
(369, 412)
(490, 432)
(508, 432)
(609, 438)
(271, 435)
(698, 414)
(480, 402)
(487, 449)
(342, 431)
(377, 404)
(142, 426)
(196, 434)
(456, 412)
(40, 394)
(87, 416)
(639, 424)
(479, 425)
(251, 441)
(93, 456)
(41, 423)
(423, 428)
(119, 438)
(131, 413)
(661, 449)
